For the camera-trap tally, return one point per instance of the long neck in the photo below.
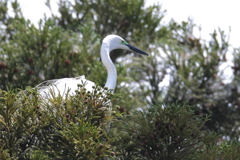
(111, 69)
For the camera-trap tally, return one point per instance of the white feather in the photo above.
(59, 87)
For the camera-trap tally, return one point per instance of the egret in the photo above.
(69, 85)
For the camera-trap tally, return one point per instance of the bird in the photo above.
(64, 86)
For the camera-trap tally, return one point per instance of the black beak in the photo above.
(136, 49)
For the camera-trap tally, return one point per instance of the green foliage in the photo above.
(190, 67)
(75, 127)
(8, 23)
(112, 16)
(165, 132)
(72, 127)
(35, 55)
(225, 151)
(196, 78)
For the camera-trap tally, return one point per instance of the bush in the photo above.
(164, 132)
(72, 127)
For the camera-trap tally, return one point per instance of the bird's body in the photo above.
(60, 87)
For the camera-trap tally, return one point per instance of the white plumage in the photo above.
(59, 87)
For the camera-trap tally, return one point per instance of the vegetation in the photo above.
(190, 118)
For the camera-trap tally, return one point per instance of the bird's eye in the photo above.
(124, 42)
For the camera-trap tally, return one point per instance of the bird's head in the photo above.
(116, 42)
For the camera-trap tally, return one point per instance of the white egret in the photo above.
(62, 86)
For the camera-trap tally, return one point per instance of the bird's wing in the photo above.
(60, 87)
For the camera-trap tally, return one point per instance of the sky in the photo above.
(209, 14)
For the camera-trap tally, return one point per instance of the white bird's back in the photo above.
(60, 87)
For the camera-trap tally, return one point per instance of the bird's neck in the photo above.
(111, 69)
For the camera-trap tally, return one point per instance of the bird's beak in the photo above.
(134, 49)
